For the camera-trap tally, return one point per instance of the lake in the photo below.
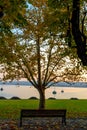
(25, 92)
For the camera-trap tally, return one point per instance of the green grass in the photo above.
(11, 108)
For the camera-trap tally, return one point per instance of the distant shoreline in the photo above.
(59, 84)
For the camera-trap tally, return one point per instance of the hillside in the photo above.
(59, 84)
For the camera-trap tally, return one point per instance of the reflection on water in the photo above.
(26, 92)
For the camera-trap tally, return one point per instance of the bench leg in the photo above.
(20, 122)
(64, 120)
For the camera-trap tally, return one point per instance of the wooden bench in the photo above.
(25, 113)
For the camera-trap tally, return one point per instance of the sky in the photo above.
(25, 92)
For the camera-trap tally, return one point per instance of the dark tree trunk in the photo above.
(42, 99)
(79, 37)
(1, 11)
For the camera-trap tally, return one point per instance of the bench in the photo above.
(25, 113)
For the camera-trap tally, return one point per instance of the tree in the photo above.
(11, 15)
(78, 32)
(36, 51)
(75, 12)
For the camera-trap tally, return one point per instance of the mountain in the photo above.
(59, 84)
(23, 83)
(72, 84)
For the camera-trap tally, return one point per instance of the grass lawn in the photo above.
(11, 108)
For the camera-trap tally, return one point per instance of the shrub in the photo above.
(1, 97)
(35, 98)
(73, 98)
(13, 98)
(51, 98)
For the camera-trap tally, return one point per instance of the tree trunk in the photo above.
(79, 37)
(42, 99)
(1, 11)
